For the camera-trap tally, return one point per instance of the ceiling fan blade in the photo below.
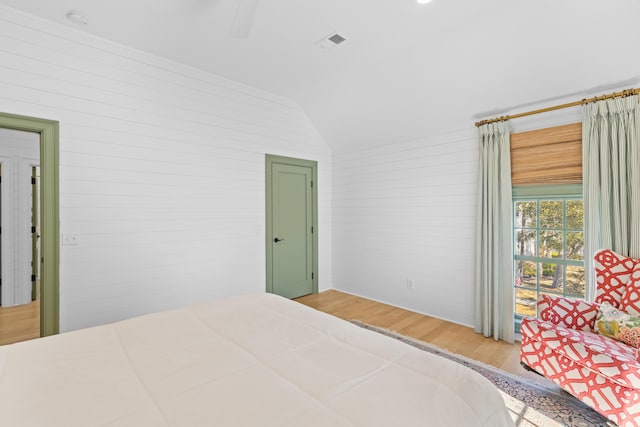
(244, 18)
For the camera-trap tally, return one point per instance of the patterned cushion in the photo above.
(612, 274)
(631, 296)
(570, 313)
(600, 371)
(615, 323)
(610, 358)
(619, 403)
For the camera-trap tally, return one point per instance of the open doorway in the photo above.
(29, 233)
(19, 235)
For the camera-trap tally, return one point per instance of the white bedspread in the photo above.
(257, 360)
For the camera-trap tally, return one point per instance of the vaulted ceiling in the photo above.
(406, 70)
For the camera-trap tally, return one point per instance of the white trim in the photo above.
(6, 216)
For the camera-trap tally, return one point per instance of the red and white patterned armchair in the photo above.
(591, 349)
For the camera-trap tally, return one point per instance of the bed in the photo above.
(254, 360)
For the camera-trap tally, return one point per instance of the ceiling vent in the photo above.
(331, 40)
(337, 38)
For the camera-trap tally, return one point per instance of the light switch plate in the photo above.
(70, 239)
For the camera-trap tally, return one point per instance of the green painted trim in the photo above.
(546, 191)
(50, 212)
(270, 159)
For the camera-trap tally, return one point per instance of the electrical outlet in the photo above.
(409, 284)
(70, 239)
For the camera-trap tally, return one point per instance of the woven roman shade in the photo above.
(547, 156)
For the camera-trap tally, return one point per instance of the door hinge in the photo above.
(312, 229)
(311, 184)
(33, 229)
(312, 275)
(33, 180)
(33, 277)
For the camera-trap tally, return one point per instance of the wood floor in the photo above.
(19, 323)
(449, 336)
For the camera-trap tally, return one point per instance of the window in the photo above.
(548, 245)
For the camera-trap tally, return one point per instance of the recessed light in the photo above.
(76, 17)
(423, 1)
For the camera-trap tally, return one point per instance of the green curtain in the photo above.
(494, 256)
(611, 179)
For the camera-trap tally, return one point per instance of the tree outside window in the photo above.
(548, 250)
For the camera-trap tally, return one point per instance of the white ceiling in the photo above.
(406, 70)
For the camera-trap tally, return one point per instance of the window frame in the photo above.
(562, 192)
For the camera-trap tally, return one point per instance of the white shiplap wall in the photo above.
(406, 211)
(161, 170)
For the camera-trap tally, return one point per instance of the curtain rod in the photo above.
(626, 92)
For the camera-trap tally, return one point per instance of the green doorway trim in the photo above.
(270, 160)
(49, 203)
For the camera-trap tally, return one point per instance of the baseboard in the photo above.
(402, 307)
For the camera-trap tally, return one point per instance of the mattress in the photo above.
(256, 360)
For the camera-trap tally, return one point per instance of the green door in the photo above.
(291, 230)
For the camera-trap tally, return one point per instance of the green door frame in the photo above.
(49, 205)
(270, 159)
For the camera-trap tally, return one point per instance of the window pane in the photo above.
(575, 281)
(575, 245)
(526, 302)
(550, 277)
(551, 244)
(525, 274)
(551, 214)
(525, 215)
(575, 218)
(525, 243)
(548, 235)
